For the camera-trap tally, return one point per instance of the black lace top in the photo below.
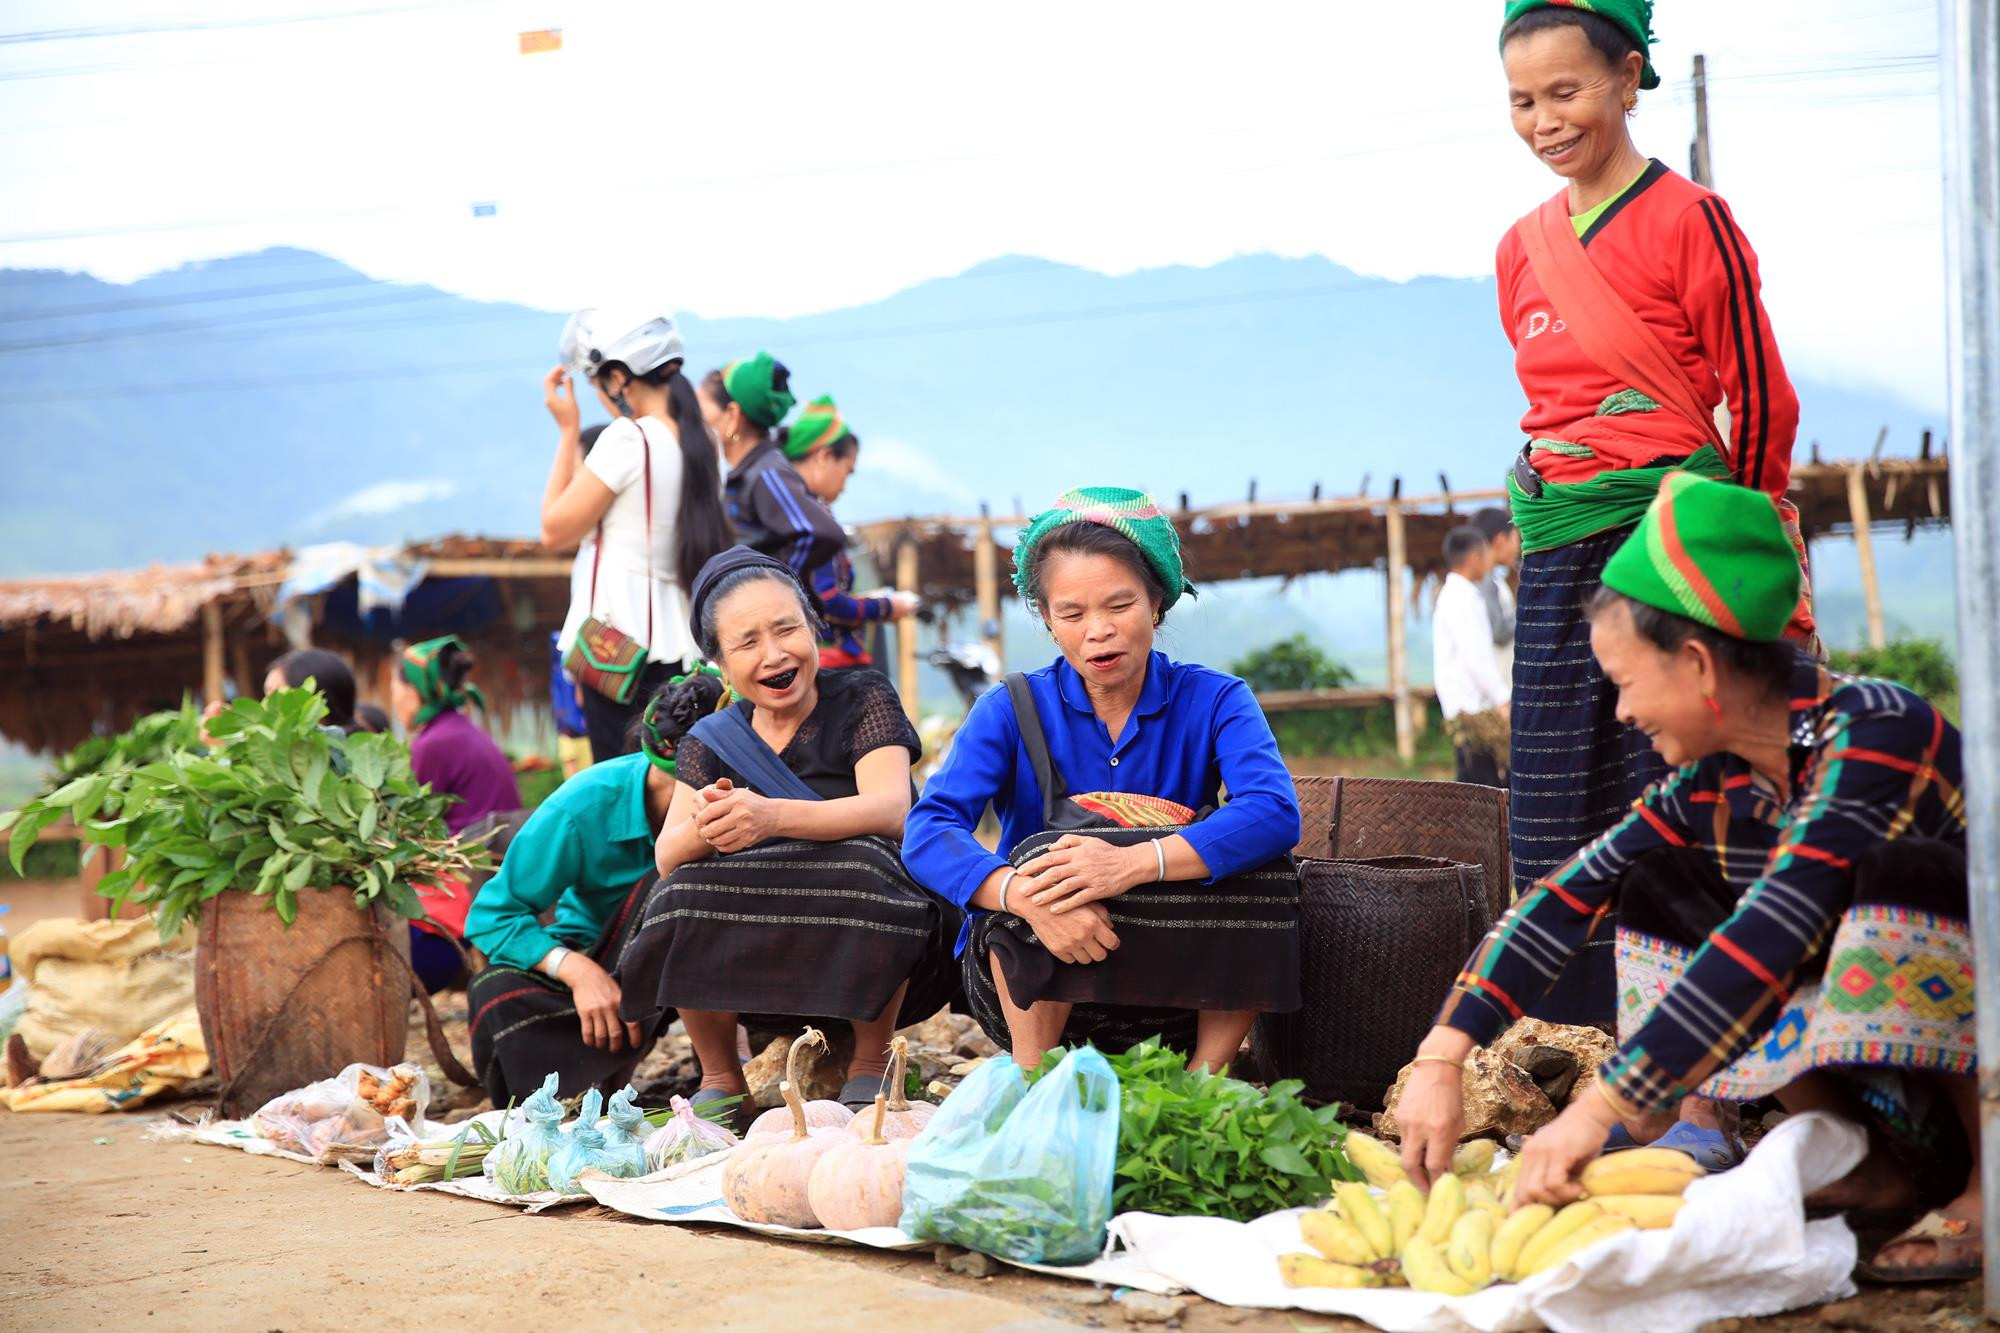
(858, 712)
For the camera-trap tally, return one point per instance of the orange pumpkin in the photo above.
(902, 1119)
(860, 1183)
(766, 1181)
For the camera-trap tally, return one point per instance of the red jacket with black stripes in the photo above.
(1671, 249)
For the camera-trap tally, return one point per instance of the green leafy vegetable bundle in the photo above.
(1206, 1145)
(280, 805)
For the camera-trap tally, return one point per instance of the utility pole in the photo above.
(1698, 150)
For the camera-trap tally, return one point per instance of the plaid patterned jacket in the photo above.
(1871, 761)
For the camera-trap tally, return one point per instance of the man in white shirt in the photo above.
(1465, 664)
(1503, 544)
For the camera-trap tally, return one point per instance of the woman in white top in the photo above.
(642, 568)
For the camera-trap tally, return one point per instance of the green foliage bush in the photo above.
(1923, 665)
(1297, 663)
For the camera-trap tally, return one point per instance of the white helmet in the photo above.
(641, 339)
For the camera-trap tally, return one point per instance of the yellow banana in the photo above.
(1469, 1253)
(1479, 1194)
(1474, 1158)
(1358, 1206)
(1557, 1230)
(1641, 1171)
(1309, 1270)
(1406, 1213)
(1377, 1160)
(1651, 1212)
(1447, 1202)
(1601, 1229)
(1336, 1238)
(1515, 1232)
(1425, 1269)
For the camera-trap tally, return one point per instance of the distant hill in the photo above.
(282, 397)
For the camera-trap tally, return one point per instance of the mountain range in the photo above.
(282, 398)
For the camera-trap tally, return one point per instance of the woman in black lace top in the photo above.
(782, 892)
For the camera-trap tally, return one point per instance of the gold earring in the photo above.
(1631, 103)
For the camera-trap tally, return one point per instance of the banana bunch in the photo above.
(1467, 1234)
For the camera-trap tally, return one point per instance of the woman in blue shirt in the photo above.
(1137, 905)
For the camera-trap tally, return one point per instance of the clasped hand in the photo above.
(1076, 870)
(730, 818)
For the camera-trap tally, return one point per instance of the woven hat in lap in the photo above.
(1130, 513)
(1714, 552)
(1633, 17)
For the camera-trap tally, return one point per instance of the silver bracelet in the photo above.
(1003, 888)
(553, 963)
(1160, 851)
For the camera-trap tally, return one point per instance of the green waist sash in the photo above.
(1568, 512)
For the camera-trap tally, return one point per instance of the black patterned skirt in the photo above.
(793, 930)
(1574, 768)
(1182, 948)
(524, 1024)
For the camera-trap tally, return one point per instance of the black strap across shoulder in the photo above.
(1057, 811)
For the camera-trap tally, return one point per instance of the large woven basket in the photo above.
(1380, 944)
(1363, 818)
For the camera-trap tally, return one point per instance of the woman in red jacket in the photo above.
(1599, 443)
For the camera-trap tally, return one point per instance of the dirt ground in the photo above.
(104, 1227)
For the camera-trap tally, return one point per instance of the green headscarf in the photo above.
(1633, 17)
(753, 384)
(423, 667)
(1128, 512)
(819, 423)
(1714, 552)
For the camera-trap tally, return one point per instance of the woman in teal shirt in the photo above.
(549, 998)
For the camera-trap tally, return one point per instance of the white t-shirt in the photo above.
(623, 588)
(1464, 666)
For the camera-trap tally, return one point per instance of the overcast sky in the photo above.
(782, 158)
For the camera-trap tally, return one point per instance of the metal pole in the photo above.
(1970, 56)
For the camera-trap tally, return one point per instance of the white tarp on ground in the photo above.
(692, 1192)
(1741, 1246)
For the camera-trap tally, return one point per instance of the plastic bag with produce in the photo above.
(520, 1165)
(347, 1116)
(684, 1137)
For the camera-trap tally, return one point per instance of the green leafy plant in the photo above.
(280, 805)
(1207, 1145)
(101, 768)
(1923, 665)
(1297, 663)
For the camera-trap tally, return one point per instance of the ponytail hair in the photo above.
(701, 527)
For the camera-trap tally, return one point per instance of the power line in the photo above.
(183, 326)
(191, 298)
(145, 29)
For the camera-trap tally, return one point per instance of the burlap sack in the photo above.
(115, 975)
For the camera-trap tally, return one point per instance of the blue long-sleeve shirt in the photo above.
(1195, 733)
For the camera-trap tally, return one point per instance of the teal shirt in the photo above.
(581, 852)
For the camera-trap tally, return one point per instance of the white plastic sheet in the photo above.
(1741, 1246)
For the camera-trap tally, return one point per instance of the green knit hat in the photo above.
(1131, 513)
(423, 666)
(1633, 17)
(1714, 552)
(753, 383)
(819, 423)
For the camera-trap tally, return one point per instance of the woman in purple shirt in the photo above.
(452, 754)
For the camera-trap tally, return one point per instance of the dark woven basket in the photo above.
(1380, 943)
(1364, 818)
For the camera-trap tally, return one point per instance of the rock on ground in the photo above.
(1500, 1099)
(824, 1073)
(1589, 1047)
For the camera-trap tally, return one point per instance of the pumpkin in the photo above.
(766, 1181)
(776, 1123)
(860, 1182)
(902, 1119)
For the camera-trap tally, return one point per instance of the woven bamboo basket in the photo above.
(1366, 818)
(1381, 941)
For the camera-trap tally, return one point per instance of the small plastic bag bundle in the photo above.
(345, 1116)
(1038, 1188)
(624, 1128)
(583, 1148)
(520, 1165)
(684, 1137)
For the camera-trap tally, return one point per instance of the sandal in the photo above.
(1960, 1252)
(1712, 1149)
(859, 1093)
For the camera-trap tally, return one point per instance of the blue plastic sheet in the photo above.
(1018, 1173)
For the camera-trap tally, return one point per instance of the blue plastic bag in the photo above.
(520, 1165)
(1026, 1178)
